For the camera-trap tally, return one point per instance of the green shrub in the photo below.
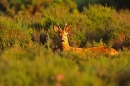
(42, 67)
(12, 33)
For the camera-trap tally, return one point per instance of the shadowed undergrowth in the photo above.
(42, 67)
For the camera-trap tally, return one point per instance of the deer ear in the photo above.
(56, 28)
(68, 28)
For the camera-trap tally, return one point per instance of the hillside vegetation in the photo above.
(29, 54)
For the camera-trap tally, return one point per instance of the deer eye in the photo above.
(60, 34)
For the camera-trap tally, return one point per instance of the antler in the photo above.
(65, 25)
(59, 26)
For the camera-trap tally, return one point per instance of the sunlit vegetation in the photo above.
(29, 46)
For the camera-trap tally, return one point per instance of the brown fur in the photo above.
(66, 47)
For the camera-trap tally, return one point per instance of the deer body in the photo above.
(66, 47)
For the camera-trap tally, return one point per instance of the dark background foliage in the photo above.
(118, 4)
(34, 6)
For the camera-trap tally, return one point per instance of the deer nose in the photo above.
(62, 39)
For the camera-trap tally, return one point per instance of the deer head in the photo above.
(62, 32)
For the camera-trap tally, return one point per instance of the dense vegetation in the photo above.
(118, 4)
(28, 41)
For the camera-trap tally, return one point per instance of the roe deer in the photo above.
(63, 34)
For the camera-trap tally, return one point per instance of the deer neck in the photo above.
(65, 45)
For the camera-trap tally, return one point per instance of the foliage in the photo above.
(12, 33)
(29, 47)
(27, 7)
(120, 4)
(20, 67)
